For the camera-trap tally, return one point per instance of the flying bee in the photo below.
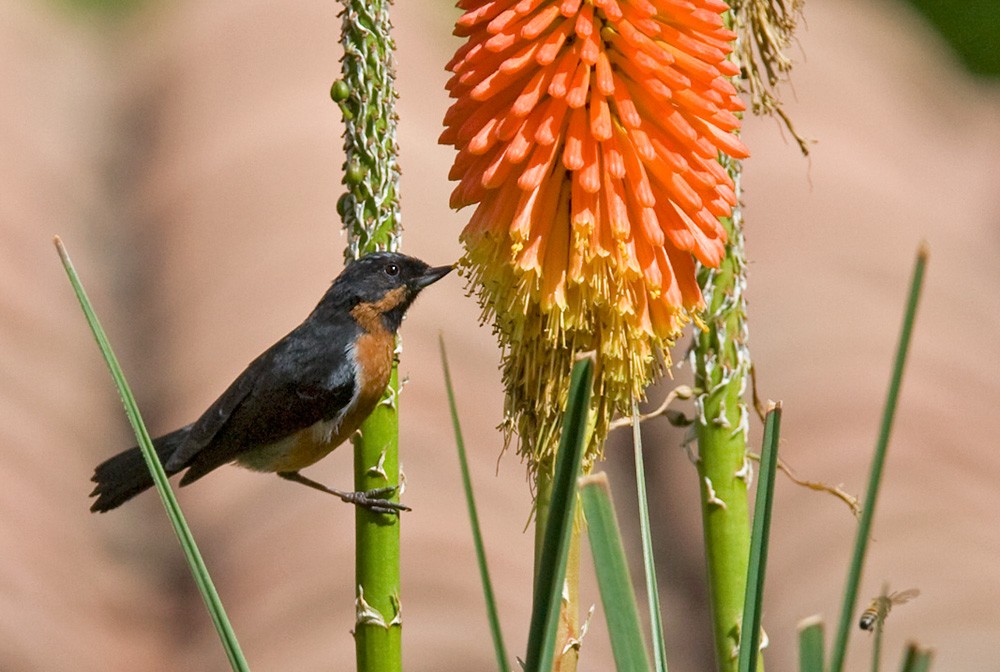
(879, 609)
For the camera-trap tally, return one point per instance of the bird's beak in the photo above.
(432, 275)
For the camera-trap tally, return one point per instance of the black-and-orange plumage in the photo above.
(302, 397)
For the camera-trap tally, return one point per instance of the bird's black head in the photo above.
(380, 286)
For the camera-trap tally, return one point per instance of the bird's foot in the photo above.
(375, 500)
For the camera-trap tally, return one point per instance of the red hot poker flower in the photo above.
(589, 135)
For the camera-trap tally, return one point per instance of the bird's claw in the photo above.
(375, 500)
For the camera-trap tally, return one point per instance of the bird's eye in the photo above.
(392, 269)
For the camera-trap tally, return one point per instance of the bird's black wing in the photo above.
(302, 379)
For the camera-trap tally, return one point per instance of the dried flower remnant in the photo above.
(588, 137)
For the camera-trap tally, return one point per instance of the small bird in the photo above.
(300, 399)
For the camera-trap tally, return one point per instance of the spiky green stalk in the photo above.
(371, 215)
(367, 96)
(721, 363)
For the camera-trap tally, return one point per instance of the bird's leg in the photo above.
(373, 500)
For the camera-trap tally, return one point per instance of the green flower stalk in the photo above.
(371, 215)
(367, 96)
(720, 357)
(720, 360)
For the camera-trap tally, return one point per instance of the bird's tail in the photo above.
(125, 475)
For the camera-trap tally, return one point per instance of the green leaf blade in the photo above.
(559, 526)
(499, 647)
(195, 562)
(613, 579)
(916, 659)
(811, 654)
(849, 604)
(648, 561)
(760, 534)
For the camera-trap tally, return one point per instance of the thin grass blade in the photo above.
(878, 462)
(877, 645)
(562, 507)
(484, 573)
(648, 561)
(753, 604)
(613, 579)
(811, 644)
(198, 569)
(917, 659)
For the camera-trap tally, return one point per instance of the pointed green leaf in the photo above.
(559, 526)
(195, 562)
(613, 579)
(875, 474)
(484, 572)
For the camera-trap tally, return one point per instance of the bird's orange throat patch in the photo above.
(373, 355)
(369, 314)
(373, 350)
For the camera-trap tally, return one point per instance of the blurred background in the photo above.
(189, 155)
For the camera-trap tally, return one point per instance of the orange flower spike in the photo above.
(588, 134)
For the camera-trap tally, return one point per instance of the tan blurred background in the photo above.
(189, 155)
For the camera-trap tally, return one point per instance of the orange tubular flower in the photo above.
(588, 135)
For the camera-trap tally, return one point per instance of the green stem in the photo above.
(377, 629)
(566, 657)
(370, 212)
(721, 364)
(367, 98)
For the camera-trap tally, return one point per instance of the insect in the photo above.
(876, 613)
